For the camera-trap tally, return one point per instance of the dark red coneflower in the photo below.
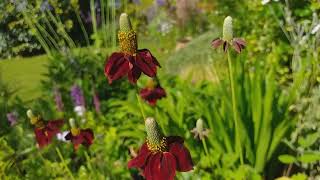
(160, 157)
(152, 92)
(129, 61)
(44, 131)
(79, 136)
(227, 38)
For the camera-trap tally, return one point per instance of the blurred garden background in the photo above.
(49, 47)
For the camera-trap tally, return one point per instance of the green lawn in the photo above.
(24, 75)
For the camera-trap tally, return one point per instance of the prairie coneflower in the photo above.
(129, 61)
(152, 93)
(227, 38)
(79, 136)
(160, 157)
(199, 131)
(44, 131)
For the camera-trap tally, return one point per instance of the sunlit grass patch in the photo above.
(24, 75)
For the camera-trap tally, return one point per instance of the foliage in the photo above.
(15, 37)
(274, 98)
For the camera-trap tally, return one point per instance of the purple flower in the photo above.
(58, 99)
(12, 118)
(77, 96)
(138, 2)
(161, 2)
(96, 102)
(45, 6)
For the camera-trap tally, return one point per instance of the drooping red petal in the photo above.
(216, 42)
(151, 95)
(147, 173)
(134, 74)
(225, 46)
(161, 166)
(181, 153)
(146, 62)
(85, 137)
(174, 139)
(240, 41)
(146, 54)
(168, 166)
(76, 141)
(140, 160)
(53, 127)
(41, 137)
(88, 137)
(116, 67)
(236, 46)
(160, 92)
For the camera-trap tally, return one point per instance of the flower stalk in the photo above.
(234, 109)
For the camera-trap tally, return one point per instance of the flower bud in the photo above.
(227, 29)
(125, 23)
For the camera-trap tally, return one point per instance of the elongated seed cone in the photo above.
(227, 29)
(126, 35)
(125, 23)
(154, 134)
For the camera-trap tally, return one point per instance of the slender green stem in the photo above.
(141, 107)
(65, 164)
(93, 18)
(37, 33)
(85, 34)
(234, 109)
(204, 144)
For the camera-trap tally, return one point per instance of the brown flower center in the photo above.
(37, 122)
(128, 42)
(158, 147)
(75, 131)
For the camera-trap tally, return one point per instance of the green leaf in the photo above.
(299, 176)
(309, 158)
(287, 159)
(309, 140)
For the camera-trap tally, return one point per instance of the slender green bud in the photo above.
(227, 29)
(72, 123)
(154, 134)
(125, 24)
(30, 114)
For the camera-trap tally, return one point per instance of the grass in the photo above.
(24, 75)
